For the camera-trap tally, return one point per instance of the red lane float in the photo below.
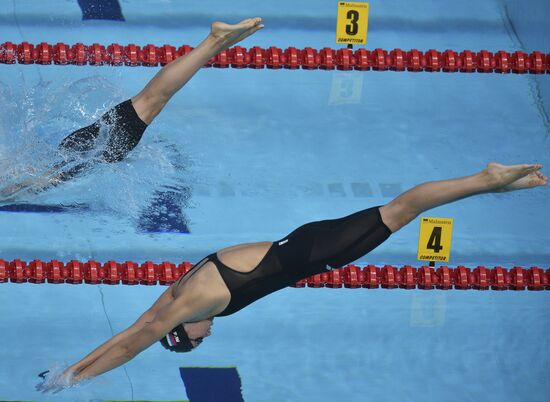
(414, 60)
(350, 276)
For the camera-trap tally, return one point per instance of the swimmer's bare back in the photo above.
(204, 282)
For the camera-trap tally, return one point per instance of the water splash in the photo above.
(43, 115)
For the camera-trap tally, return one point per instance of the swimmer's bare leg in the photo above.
(150, 101)
(495, 178)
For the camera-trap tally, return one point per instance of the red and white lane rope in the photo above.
(465, 61)
(351, 276)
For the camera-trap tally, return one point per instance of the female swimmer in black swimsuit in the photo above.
(232, 278)
(126, 122)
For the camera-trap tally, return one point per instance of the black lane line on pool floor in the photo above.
(113, 334)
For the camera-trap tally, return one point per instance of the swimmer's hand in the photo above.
(55, 381)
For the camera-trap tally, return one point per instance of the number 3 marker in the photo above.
(352, 24)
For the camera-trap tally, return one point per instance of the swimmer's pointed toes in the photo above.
(531, 168)
(251, 21)
(256, 28)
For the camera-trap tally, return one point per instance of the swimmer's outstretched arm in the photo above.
(172, 77)
(126, 345)
(134, 343)
(137, 326)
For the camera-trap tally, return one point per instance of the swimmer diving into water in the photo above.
(127, 121)
(229, 280)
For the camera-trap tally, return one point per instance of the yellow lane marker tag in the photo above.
(434, 242)
(352, 23)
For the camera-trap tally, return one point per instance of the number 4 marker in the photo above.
(434, 242)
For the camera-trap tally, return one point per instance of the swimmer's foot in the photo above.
(227, 35)
(514, 177)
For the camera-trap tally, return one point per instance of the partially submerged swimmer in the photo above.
(231, 279)
(126, 122)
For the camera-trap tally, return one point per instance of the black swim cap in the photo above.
(177, 340)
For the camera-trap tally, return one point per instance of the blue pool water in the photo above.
(249, 155)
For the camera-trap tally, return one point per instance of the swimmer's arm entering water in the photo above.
(141, 322)
(169, 313)
(67, 377)
(122, 347)
(174, 313)
(37, 183)
(185, 308)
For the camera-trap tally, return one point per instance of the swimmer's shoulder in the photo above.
(203, 279)
(205, 292)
